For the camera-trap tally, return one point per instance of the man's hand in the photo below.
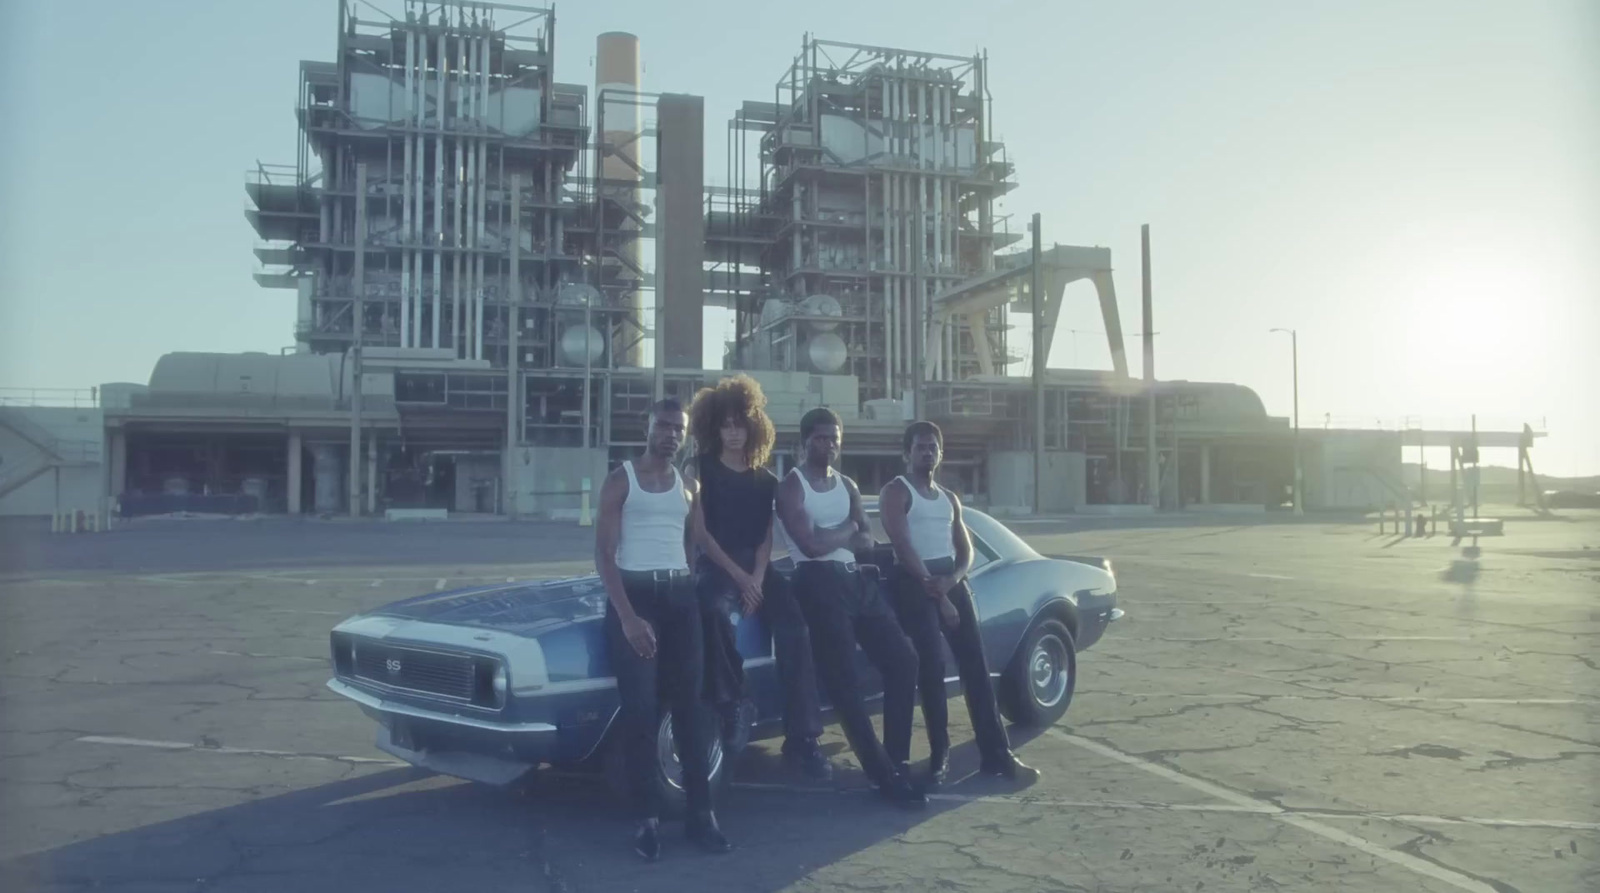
(861, 541)
(749, 591)
(640, 635)
(940, 585)
(948, 613)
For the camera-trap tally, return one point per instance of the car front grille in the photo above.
(427, 672)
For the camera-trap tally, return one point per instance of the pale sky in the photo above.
(1414, 186)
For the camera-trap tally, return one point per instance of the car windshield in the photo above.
(997, 536)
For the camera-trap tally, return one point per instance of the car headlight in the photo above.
(500, 682)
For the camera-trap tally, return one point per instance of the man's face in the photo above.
(822, 447)
(666, 433)
(925, 453)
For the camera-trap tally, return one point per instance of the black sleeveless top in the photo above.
(738, 507)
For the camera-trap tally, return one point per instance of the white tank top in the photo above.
(929, 521)
(828, 509)
(652, 526)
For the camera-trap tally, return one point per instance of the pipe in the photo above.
(438, 190)
(483, 177)
(479, 105)
(920, 257)
(946, 156)
(467, 238)
(419, 189)
(458, 190)
(888, 291)
(480, 197)
(405, 196)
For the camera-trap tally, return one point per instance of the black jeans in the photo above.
(843, 608)
(791, 645)
(919, 617)
(675, 675)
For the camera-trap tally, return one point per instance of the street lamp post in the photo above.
(1299, 483)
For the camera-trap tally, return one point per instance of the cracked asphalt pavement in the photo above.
(1287, 706)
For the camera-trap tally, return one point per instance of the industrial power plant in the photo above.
(497, 272)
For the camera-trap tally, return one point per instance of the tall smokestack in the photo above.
(616, 67)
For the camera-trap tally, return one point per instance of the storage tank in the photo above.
(827, 352)
(574, 343)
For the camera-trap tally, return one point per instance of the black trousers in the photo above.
(842, 609)
(675, 675)
(919, 617)
(791, 643)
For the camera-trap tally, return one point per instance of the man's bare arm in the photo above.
(811, 541)
(962, 540)
(862, 540)
(607, 534)
(764, 552)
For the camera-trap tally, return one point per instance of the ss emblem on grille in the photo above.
(393, 666)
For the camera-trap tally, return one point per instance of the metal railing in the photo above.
(75, 398)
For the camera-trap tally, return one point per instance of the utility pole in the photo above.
(1299, 473)
(513, 376)
(358, 319)
(1152, 458)
(1035, 286)
(588, 360)
(919, 325)
(1299, 478)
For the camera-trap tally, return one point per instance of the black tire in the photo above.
(1036, 689)
(668, 774)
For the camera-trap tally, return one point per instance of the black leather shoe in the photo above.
(1010, 768)
(807, 759)
(897, 789)
(938, 769)
(703, 832)
(647, 841)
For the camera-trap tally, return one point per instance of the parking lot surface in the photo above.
(1286, 706)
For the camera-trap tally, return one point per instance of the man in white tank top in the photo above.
(821, 512)
(933, 554)
(653, 629)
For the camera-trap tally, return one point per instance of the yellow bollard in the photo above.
(585, 513)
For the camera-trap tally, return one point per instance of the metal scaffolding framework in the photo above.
(872, 184)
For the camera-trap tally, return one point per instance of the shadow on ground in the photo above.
(405, 829)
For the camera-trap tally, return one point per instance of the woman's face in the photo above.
(733, 434)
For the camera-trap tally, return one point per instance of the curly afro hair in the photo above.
(738, 397)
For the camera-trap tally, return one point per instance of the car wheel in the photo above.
(1037, 688)
(668, 774)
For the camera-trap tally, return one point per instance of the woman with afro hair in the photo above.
(732, 523)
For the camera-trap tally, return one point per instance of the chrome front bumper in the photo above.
(389, 709)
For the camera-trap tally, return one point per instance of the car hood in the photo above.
(524, 607)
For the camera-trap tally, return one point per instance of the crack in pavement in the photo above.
(1414, 848)
(1417, 864)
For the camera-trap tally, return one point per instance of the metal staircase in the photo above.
(51, 452)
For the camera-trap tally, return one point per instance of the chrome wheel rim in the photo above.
(1048, 673)
(667, 756)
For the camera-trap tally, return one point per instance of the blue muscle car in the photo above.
(489, 682)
